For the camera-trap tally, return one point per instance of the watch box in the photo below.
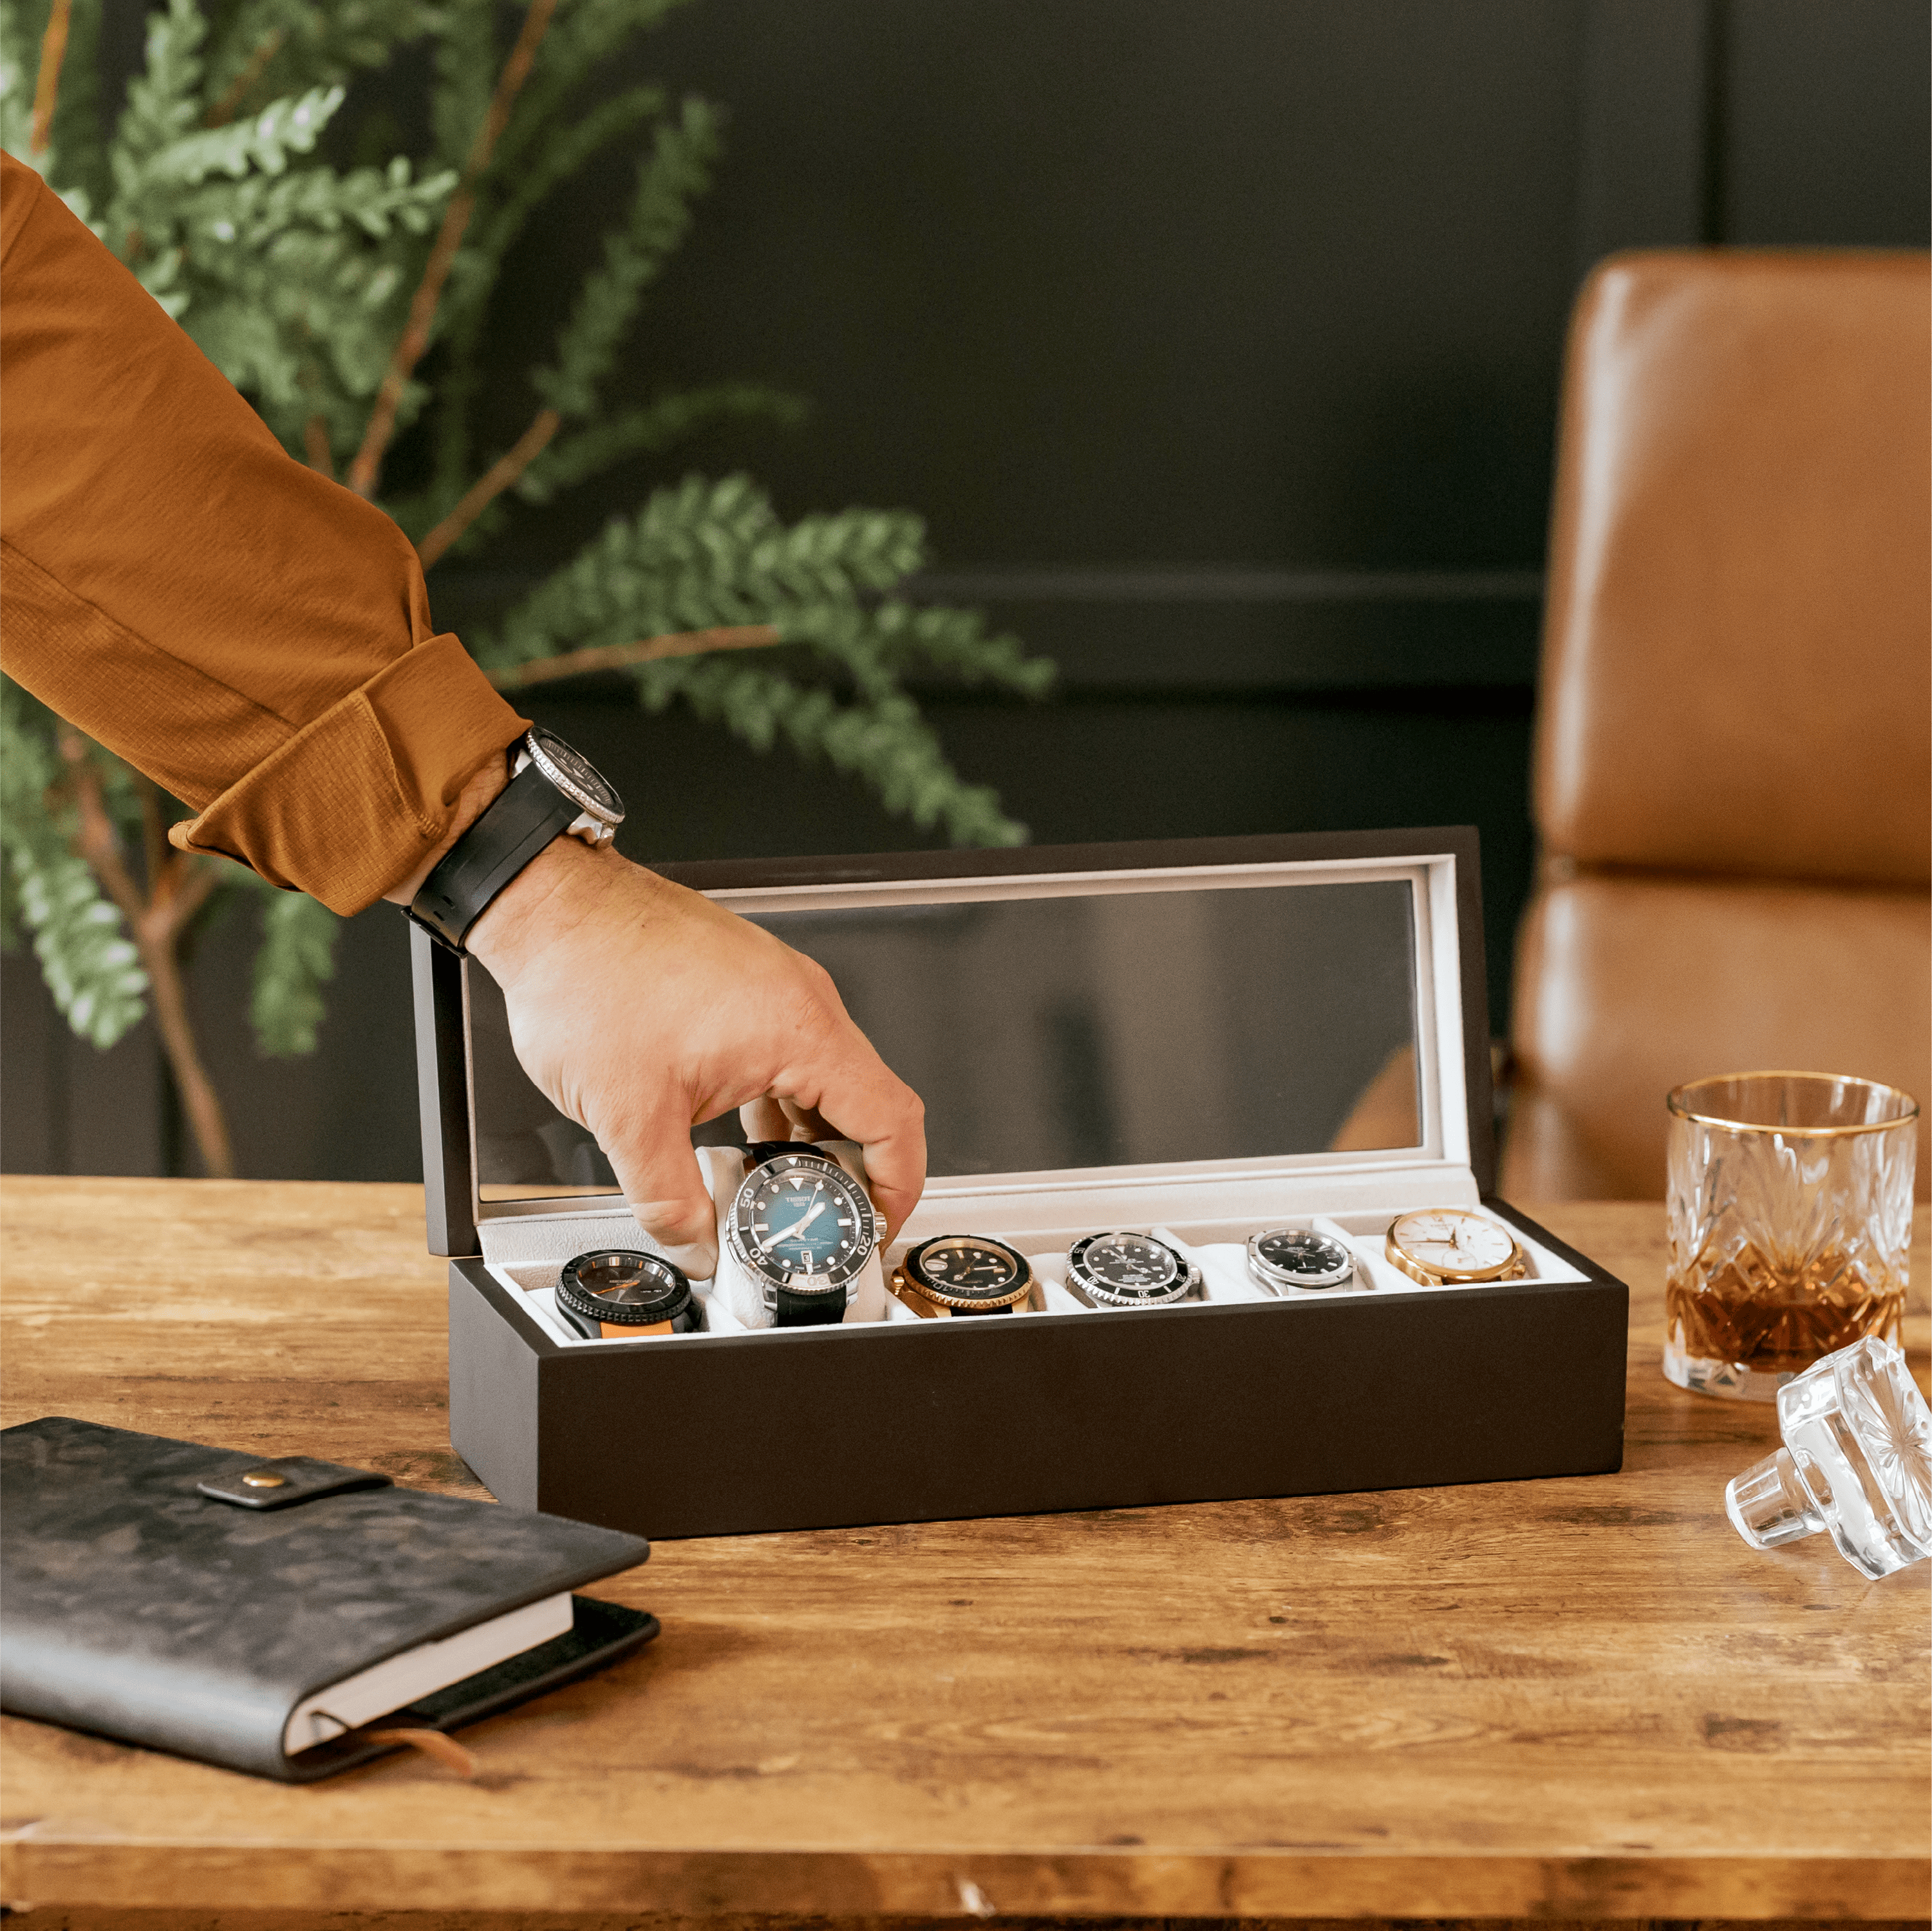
(1196, 1040)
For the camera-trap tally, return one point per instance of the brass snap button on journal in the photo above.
(262, 1478)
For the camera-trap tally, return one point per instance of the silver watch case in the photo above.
(1264, 1273)
(1099, 1294)
(594, 822)
(843, 1279)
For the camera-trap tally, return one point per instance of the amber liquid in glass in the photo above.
(1778, 1321)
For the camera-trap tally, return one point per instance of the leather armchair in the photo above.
(1732, 779)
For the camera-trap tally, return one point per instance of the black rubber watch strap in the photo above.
(791, 1310)
(522, 818)
(760, 1153)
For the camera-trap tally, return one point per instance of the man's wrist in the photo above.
(545, 900)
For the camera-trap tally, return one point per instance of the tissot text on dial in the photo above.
(803, 1228)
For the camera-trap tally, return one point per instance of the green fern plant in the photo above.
(349, 305)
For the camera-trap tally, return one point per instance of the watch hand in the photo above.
(798, 1227)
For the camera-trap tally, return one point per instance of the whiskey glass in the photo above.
(1790, 1221)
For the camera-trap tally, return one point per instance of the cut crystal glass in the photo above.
(1789, 1219)
(1857, 1460)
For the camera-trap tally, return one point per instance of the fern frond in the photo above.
(296, 960)
(908, 637)
(290, 125)
(581, 37)
(657, 426)
(314, 43)
(707, 553)
(474, 274)
(79, 155)
(466, 72)
(478, 263)
(675, 171)
(885, 742)
(19, 63)
(164, 102)
(89, 964)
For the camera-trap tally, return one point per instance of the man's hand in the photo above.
(640, 1009)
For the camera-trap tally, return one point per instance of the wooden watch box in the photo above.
(1196, 1039)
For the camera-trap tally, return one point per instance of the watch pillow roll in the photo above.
(151, 1593)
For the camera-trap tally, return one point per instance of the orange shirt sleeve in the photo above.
(253, 637)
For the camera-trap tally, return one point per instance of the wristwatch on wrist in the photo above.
(618, 1293)
(962, 1273)
(802, 1228)
(553, 792)
(1127, 1271)
(1454, 1246)
(1297, 1257)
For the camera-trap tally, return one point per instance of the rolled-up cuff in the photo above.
(355, 801)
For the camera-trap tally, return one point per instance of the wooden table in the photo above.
(1573, 1699)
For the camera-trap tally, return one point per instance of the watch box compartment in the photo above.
(1094, 1001)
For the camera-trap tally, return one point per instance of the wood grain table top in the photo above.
(1573, 1699)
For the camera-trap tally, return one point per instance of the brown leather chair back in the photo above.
(1733, 762)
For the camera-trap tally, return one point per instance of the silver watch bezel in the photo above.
(605, 820)
(1264, 1273)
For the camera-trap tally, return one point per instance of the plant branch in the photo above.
(315, 446)
(156, 852)
(225, 109)
(414, 338)
(46, 86)
(494, 480)
(156, 926)
(617, 656)
(95, 839)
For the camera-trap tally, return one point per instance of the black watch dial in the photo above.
(625, 1288)
(963, 1270)
(593, 791)
(1129, 1268)
(1300, 1257)
(802, 1221)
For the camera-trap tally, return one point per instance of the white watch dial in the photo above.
(1452, 1240)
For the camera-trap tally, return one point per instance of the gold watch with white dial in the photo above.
(1442, 1246)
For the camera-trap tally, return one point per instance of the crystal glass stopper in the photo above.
(1857, 1460)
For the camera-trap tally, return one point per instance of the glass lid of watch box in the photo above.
(1101, 1020)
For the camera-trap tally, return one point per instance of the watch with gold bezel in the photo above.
(961, 1274)
(1454, 1246)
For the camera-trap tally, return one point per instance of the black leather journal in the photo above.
(212, 1604)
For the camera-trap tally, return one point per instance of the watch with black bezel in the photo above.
(1120, 1269)
(554, 792)
(962, 1273)
(802, 1228)
(1297, 1257)
(619, 1293)
(1450, 1246)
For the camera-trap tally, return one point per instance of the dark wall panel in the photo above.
(1126, 281)
(1827, 123)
